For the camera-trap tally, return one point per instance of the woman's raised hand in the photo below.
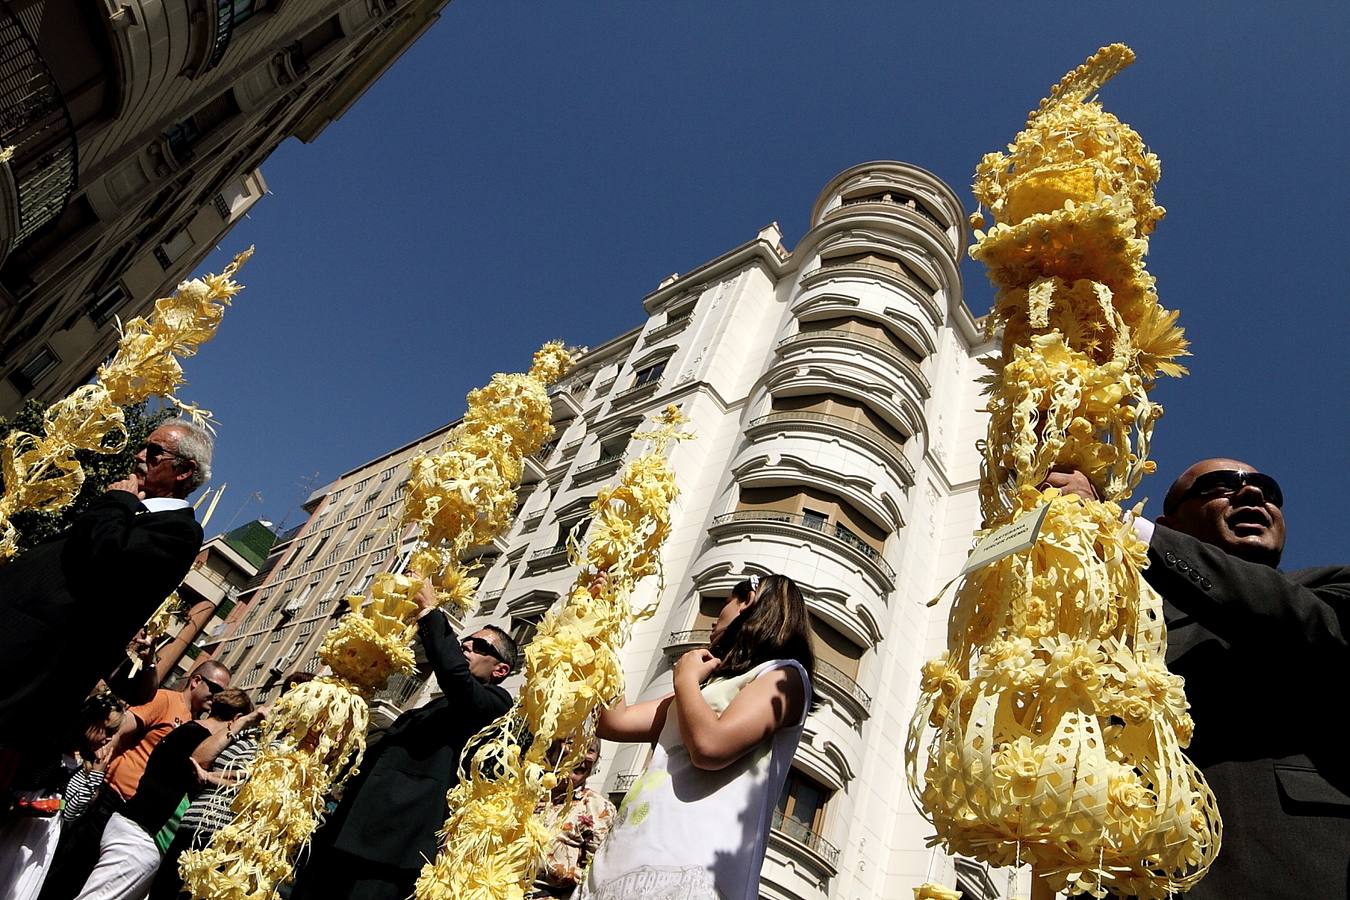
(697, 665)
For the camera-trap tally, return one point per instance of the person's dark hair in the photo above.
(229, 703)
(295, 678)
(95, 711)
(774, 626)
(505, 643)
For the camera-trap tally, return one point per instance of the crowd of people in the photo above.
(107, 778)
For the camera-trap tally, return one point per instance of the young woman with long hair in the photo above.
(695, 824)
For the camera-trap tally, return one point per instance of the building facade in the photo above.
(222, 570)
(833, 390)
(131, 135)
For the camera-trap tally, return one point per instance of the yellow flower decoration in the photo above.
(1056, 730)
(461, 496)
(40, 471)
(492, 841)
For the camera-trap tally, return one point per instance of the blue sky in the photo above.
(530, 171)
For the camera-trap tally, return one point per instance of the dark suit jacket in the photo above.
(1266, 657)
(68, 608)
(391, 811)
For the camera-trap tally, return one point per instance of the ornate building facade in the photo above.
(833, 390)
(131, 132)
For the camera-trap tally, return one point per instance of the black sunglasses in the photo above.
(153, 452)
(483, 647)
(1227, 482)
(211, 687)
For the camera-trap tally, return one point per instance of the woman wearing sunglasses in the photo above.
(697, 820)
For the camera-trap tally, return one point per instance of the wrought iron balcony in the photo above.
(892, 352)
(889, 446)
(803, 834)
(608, 459)
(625, 783)
(905, 203)
(36, 125)
(401, 689)
(819, 526)
(842, 681)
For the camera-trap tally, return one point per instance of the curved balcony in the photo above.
(829, 423)
(816, 532)
(844, 467)
(922, 294)
(799, 843)
(892, 353)
(837, 684)
(36, 127)
(864, 377)
(908, 209)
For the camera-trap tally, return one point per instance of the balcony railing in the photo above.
(667, 330)
(540, 556)
(606, 460)
(818, 525)
(625, 782)
(35, 123)
(401, 689)
(844, 682)
(803, 834)
(912, 205)
(884, 443)
(220, 36)
(893, 352)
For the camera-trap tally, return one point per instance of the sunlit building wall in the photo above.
(136, 132)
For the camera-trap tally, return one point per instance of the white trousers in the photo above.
(26, 848)
(127, 862)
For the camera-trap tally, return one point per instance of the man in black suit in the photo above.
(71, 605)
(384, 830)
(1265, 655)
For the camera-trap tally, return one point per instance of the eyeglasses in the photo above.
(1227, 482)
(153, 453)
(483, 647)
(211, 686)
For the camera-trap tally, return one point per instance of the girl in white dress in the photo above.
(694, 826)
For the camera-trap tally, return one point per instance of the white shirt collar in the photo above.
(164, 504)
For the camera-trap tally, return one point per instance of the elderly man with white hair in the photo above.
(71, 605)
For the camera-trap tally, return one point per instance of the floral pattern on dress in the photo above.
(583, 828)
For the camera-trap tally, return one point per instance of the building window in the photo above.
(814, 519)
(105, 304)
(386, 475)
(173, 249)
(26, 377)
(802, 805)
(649, 374)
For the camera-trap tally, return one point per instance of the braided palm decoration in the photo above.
(40, 470)
(459, 497)
(1056, 728)
(492, 842)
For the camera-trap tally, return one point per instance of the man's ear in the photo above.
(501, 671)
(186, 471)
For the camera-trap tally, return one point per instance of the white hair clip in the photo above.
(754, 582)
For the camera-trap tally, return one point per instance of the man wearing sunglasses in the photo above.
(1265, 655)
(384, 830)
(71, 605)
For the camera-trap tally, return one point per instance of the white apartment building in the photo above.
(135, 130)
(833, 392)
